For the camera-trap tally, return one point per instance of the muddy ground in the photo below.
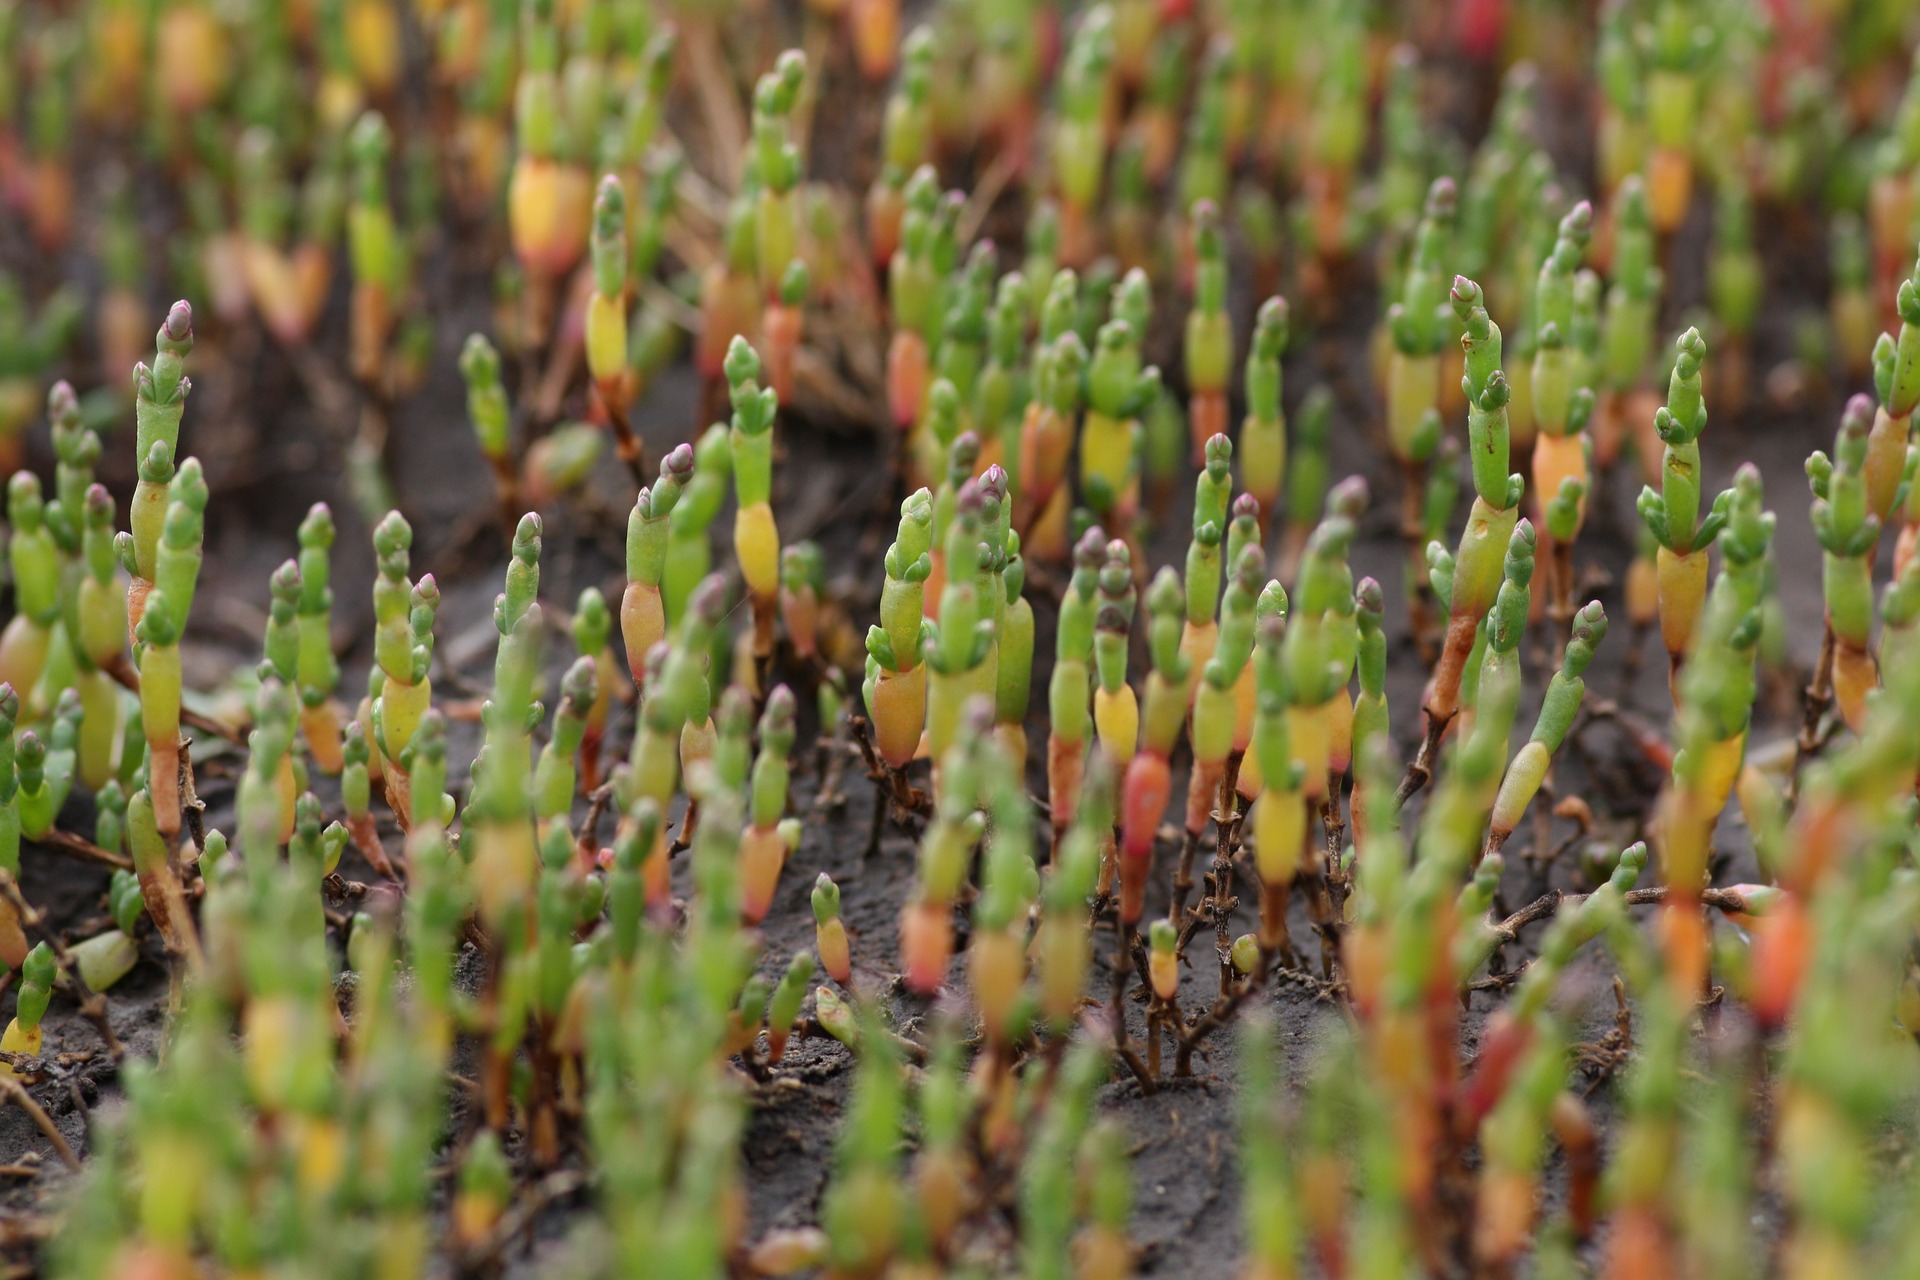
(272, 449)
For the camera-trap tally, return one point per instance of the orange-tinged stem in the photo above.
(1855, 675)
(836, 957)
(762, 854)
(899, 712)
(1203, 788)
(1782, 943)
(926, 945)
(1669, 187)
(1066, 767)
(907, 363)
(781, 327)
(997, 969)
(1144, 796)
(1683, 591)
(1206, 418)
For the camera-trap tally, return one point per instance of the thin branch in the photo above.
(519, 1218)
(1547, 904)
(191, 806)
(1420, 772)
(1814, 700)
(18, 1094)
(82, 849)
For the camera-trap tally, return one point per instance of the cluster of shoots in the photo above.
(1138, 774)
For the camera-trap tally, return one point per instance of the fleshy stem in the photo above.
(606, 322)
(1848, 531)
(756, 541)
(1476, 565)
(1561, 405)
(1673, 513)
(1417, 326)
(1528, 770)
(1070, 687)
(316, 673)
(643, 609)
(1209, 334)
(896, 679)
(1263, 432)
(1148, 781)
(784, 276)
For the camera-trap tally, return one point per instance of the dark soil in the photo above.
(272, 451)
